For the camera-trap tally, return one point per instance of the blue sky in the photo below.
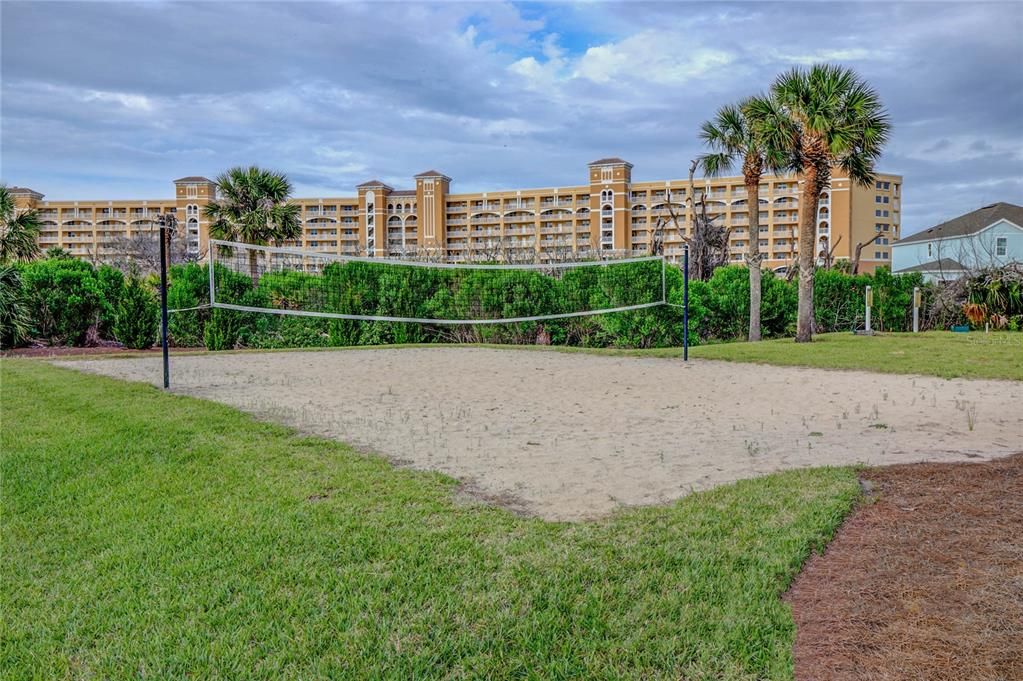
(114, 100)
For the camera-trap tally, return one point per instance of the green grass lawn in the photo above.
(148, 535)
(937, 353)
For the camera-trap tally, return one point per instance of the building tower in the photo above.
(373, 211)
(191, 194)
(610, 183)
(431, 202)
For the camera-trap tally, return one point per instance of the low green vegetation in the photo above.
(63, 301)
(937, 353)
(158, 536)
(136, 319)
(719, 307)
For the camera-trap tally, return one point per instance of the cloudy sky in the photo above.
(114, 100)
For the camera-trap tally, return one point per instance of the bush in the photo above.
(137, 318)
(15, 316)
(67, 297)
(110, 281)
(64, 299)
(188, 286)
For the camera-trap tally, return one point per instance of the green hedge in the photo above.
(70, 301)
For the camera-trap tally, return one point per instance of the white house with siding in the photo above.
(988, 237)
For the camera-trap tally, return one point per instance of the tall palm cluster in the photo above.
(19, 230)
(252, 206)
(810, 121)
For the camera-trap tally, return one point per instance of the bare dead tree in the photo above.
(142, 251)
(707, 241)
(859, 250)
(827, 255)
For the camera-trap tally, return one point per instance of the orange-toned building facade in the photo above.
(610, 212)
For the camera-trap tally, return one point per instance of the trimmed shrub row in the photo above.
(70, 302)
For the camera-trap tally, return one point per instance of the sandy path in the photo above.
(569, 436)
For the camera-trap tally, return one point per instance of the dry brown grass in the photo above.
(924, 582)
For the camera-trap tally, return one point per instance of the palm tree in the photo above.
(19, 230)
(826, 116)
(252, 207)
(734, 138)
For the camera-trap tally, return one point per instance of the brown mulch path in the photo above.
(65, 351)
(924, 581)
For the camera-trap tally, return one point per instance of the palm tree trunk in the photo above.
(254, 268)
(807, 248)
(753, 259)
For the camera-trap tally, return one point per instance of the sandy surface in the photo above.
(571, 436)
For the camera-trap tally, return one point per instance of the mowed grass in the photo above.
(148, 535)
(936, 353)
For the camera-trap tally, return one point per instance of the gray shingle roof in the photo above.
(22, 190)
(969, 223)
(939, 265)
(432, 173)
(372, 183)
(612, 160)
(193, 178)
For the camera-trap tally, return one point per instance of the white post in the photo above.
(870, 301)
(916, 309)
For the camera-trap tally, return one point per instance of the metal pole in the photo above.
(916, 309)
(685, 303)
(870, 301)
(162, 223)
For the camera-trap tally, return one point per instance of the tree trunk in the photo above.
(859, 251)
(254, 268)
(807, 249)
(753, 259)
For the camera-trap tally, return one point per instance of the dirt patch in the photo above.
(924, 581)
(573, 436)
(65, 351)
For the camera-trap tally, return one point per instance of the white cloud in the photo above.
(845, 56)
(125, 99)
(653, 55)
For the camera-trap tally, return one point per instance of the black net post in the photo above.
(163, 226)
(685, 303)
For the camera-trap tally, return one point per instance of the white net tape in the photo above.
(288, 281)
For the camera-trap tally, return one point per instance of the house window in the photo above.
(1001, 245)
(930, 250)
(885, 254)
(877, 255)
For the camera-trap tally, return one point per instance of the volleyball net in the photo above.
(289, 281)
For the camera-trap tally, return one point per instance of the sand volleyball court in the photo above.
(570, 436)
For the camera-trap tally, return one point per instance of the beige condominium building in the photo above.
(609, 214)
